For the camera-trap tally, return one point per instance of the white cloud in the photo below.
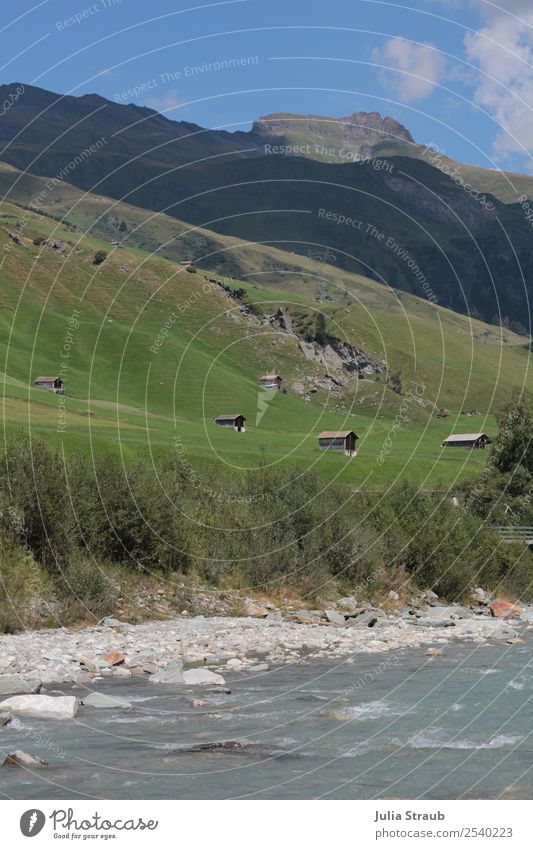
(502, 51)
(417, 68)
(166, 103)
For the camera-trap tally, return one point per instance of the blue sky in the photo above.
(458, 73)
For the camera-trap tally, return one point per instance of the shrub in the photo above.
(99, 257)
(86, 590)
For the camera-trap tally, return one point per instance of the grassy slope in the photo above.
(209, 362)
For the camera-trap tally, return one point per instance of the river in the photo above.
(388, 726)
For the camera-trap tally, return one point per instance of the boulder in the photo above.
(91, 665)
(334, 617)
(120, 672)
(253, 609)
(172, 674)
(364, 620)
(201, 676)
(114, 658)
(102, 700)
(430, 597)
(42, 707)
(502, 609)
(480, 596)
(17, 685)
(20, 758)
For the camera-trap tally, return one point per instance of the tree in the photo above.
(513, 446)
(321, 333)
(123, 226)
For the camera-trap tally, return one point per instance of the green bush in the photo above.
(99, 257)
(86, 590)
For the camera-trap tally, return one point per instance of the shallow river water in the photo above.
(389, 726)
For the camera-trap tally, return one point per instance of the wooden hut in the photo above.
(233, 420)
(471, 441)
(52, 384)
(338, 440)
(270, 381)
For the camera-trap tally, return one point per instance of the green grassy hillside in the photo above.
(150, 353)
(478, 258)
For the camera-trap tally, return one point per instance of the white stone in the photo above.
(43, 707)
(202, 676)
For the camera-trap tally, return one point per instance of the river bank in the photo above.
(115, 649)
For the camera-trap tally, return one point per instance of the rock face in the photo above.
(15, 685)
(20, 758)
(341, 356)
(202, 676)
(42, 707)
(102, 700)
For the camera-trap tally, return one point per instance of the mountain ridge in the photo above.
(213, 180)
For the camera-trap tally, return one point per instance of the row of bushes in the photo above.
(268, 528)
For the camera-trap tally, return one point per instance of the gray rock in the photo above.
(258, 667)
(430, 597)
(202, 676)
(102, 700)
(527, 615)
(42, 707)
(364, 620)
(20, 758)
(15, 685)
(481, 596)
(172, 674)
(334, 617)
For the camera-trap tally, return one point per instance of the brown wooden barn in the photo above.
(53, 384)
(471, 441)
(338, 440)
(270, 381)
(233, 420)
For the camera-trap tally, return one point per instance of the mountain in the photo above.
(333, 139)
(366, 135)
(399, 220)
